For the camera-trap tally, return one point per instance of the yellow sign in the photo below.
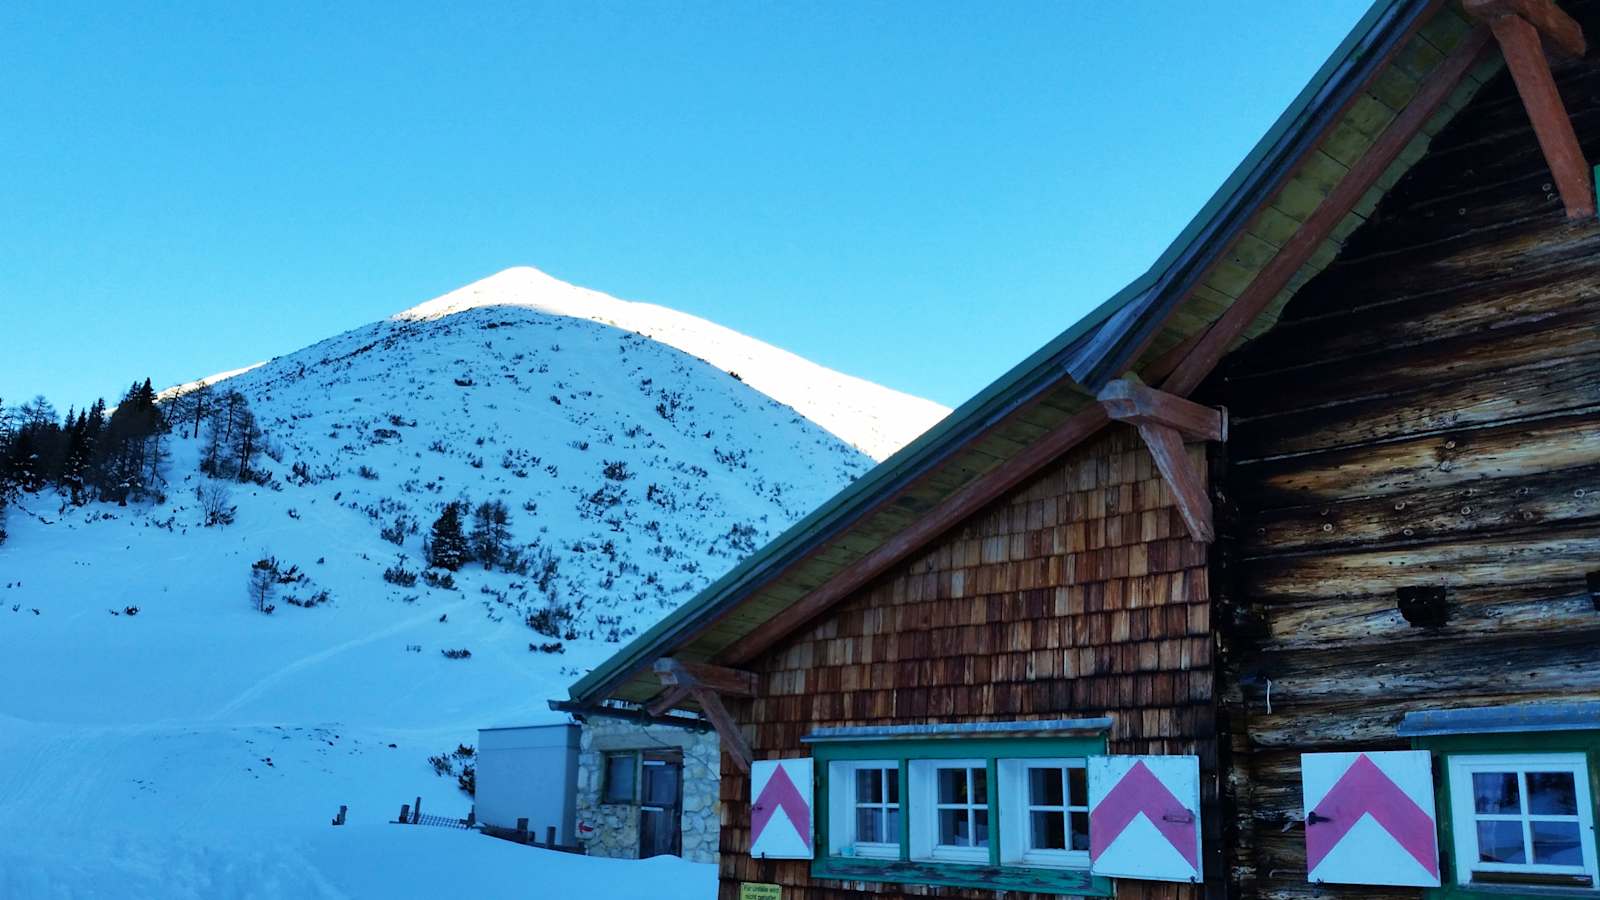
(750, 891)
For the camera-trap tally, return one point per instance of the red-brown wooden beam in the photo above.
(1130, 400)
(667, 700)
(733, 742)
(706, 683)
(723, 680)
(1562, 31)
(1530, 69)
(950, 512)
(1275, 275)
(1164, 420)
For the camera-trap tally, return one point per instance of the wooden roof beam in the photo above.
(706, 683)
(723, 680)
(1164, 420)
(1562, 31)
(1205, 353)
(1130, 400)
(1530, 69)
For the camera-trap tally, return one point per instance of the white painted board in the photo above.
(781, 808)
(1144, 817)
(1370, 818)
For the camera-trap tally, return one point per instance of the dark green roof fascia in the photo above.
(1338, 78)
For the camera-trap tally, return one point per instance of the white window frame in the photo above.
(1016, 838)
(842, 808)
(925, 807)
(1464, 815)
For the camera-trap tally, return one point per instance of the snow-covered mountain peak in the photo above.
(875, 419)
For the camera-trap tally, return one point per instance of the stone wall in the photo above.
(616, 825)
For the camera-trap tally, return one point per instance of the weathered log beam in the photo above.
(949, 513)
(705, 683)
(723, 680)
(1561, 30)
(1530, 69)
(1188, 489)
(1129, 400)
(733, 742)
(669, 699)
(1275, 275)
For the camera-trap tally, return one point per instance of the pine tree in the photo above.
(263, 583)
(447, 548)
(490, 532)
(246, 441)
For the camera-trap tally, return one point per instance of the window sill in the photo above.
(1000, 878)
(1512, 892)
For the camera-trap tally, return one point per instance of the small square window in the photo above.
(1523, 819)
(950, 802)
(864, 809)
(621, 776)
(1054, 795)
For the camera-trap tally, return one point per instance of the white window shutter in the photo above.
(780, 808)
(1370, 818)
(1144, 817)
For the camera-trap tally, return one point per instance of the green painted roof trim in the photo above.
(1222, 216)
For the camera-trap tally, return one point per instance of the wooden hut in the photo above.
(1277, 575)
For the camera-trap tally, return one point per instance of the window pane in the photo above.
(1048, 831)
(891, 780)
(1044, 787)
(1080, 831)
(980, 785)
(1078, 782)
(891, 831)
(1500, 842)
(952, 785)
(619, 778)
(953, 828)
(869, 785)
(1495, 792)
(981, 818)
(1552, 794)
(869, 825)
(1556, 843)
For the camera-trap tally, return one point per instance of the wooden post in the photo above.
(1525, 57)
(522, 830)
(550, 837)
(339, 819)
(416, 812)
(405, 814)
(472, 815)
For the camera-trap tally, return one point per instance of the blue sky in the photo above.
(920, 193)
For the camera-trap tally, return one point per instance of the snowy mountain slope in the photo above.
(868, 416)
(635, 474)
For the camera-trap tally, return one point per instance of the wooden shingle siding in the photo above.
(1079, 594)
(1426, 412)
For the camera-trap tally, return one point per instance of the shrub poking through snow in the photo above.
(461, 653)
(458, 763)
(399, 574)
(214, 506)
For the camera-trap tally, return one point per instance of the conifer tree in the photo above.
(447, 547)
(490, 532)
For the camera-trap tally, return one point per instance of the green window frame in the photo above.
(992, 875)
(1445, 747)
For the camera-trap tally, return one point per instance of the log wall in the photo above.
(1079, 594)
(1426, 413)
